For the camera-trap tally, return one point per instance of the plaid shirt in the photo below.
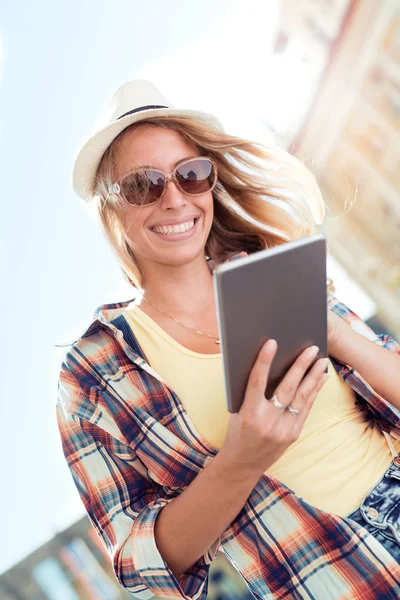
(132, 448)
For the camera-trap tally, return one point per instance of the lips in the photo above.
(169, 229)
(174, 223)
(170, 236)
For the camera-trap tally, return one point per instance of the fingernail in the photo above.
(323, 364)
(312, 352)
(270, 345)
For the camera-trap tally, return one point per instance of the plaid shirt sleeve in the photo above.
(387, 415)
(122, 501)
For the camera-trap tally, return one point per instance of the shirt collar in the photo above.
(104, 316)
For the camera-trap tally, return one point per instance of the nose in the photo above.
(174, 197)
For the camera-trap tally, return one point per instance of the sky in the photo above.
(59, 63)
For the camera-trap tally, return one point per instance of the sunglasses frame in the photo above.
(116, 186)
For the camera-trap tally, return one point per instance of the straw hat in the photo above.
(132, 102)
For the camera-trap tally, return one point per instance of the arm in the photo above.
(191, 523)
(353, 343)
(121, 500)
(159, 542)
(380, 368)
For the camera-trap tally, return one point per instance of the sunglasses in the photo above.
(145, 186)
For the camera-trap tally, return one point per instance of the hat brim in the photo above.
(89, 157)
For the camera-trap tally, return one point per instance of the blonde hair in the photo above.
(264, 196)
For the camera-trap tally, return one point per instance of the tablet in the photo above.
(275, 293)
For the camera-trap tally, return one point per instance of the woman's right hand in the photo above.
(260, 433)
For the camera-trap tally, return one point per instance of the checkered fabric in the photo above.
(131, 448)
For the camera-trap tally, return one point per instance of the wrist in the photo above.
(336, 337)
(235, 472)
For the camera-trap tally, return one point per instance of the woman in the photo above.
(167, 476)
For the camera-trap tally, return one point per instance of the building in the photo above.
(347, 133)
(75, 566)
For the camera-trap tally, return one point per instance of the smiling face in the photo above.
(151, 240)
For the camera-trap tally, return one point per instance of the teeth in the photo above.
(175, 228)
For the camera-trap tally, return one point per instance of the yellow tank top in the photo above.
(339, 456)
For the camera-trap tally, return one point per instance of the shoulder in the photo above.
(102, 370)
(96, 341)
(84, 369)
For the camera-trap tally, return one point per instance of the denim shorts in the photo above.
(379, 512)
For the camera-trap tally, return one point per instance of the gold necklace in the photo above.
(216, 338)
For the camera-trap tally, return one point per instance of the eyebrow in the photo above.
(157, 169)
(138, 167)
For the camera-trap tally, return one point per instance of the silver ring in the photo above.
(293, 411)
(276, 402)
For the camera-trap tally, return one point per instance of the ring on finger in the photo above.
(293, 411)
(276, 402)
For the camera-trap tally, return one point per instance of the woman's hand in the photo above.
(261, 431)
(212, 264)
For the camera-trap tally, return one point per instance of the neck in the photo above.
(185, 290)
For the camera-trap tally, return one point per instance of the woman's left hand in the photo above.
(335, 324)
(211, 264)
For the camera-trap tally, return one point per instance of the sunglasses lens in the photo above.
(143, 187)
(196, 176)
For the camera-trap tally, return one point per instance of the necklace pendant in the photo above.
(217, 341)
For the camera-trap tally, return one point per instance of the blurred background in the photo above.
(320, 77)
